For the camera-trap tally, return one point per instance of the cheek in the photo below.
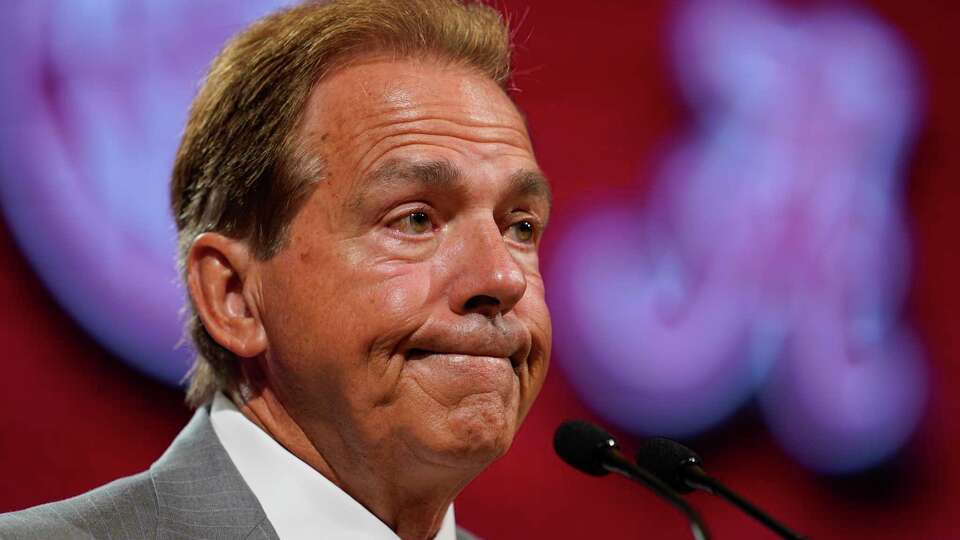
(329, 332)
(535, 314)
(405, 293)
(533, 311)
(390, 305)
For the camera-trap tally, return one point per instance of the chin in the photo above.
(477, 433)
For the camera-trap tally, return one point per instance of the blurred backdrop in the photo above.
(751, 250)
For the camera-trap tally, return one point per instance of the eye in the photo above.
(415, 223)
(523, 231)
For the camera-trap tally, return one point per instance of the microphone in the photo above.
(590, 449)
(681, 469)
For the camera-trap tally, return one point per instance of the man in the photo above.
(359, 211)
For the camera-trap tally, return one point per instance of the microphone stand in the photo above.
(695, 477)
(616, 463)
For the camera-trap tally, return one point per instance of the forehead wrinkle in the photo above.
(407, 116)
(428, 127)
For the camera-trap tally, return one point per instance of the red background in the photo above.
(598, 92)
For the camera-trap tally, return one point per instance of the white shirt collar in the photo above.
(299, 501)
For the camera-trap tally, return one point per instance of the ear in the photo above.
(221, 276)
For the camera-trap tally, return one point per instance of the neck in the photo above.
(411, 498)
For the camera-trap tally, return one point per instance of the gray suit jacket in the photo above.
(193, 491)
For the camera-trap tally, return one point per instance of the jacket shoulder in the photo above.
(463, 534)
(125, 508)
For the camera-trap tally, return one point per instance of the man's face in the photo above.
(406, 316)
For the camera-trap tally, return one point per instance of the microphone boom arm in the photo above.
(697, 478)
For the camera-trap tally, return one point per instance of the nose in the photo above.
(487, 279)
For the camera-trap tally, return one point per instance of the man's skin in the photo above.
(399, 338)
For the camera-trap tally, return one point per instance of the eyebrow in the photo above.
(529, 182)
(441, 174)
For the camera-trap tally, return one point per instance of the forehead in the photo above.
(360, 114)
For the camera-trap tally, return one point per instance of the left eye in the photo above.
(414, 223)
(523, 231)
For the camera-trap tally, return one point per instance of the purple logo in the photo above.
(771, 259)
(93, 97)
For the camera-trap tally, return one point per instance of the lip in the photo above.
(469, 337)
(416, 353)
(472, 337)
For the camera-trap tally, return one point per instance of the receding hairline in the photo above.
(308, 144)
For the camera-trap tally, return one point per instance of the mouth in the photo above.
(417, 353)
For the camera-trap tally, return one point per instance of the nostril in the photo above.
(481, 302)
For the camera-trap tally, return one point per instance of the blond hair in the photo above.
(240, 169)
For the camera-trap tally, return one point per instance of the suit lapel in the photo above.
(199, 491)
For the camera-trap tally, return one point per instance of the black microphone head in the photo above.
(583, 446)
(667, 459)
